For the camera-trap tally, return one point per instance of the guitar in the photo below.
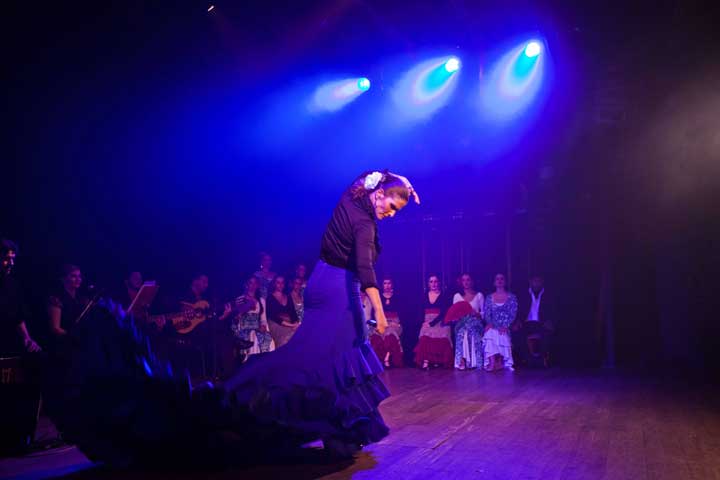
(193, 314)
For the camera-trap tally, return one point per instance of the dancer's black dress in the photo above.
(322, 385)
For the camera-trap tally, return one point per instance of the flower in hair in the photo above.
(372, 180)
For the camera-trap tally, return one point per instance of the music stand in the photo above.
(144, 298)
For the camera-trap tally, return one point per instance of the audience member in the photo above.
(500, 311)
(387, 345)
(282, 317)
(534, 327)
(252, 325)
(296, 294)
(434, 347)
(469, 329)
(265, 275)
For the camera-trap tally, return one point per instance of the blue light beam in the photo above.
(514, 82)
(427, 87)
(332, 96)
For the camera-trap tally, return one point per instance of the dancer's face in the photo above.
(387, 286)
(386, 206)
(279, 284)
(434, 283)
(499, 281)
(266, 262)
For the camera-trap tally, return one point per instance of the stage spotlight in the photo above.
(332, 96)
(452, 65)
(211, 8)
(514, 81)
(533, 49)
(364, 84)
(426, 87)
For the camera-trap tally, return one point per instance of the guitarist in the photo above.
(186, 346)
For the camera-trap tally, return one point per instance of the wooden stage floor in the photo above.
(450, 425)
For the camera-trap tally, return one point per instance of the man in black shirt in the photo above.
(14, 335)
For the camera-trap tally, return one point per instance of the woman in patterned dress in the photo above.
(500, 311)
(252, 325)
(387, 345)
(435, 345)
(469, 329)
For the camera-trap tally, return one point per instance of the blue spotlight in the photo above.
(426, 87)
(513, 82)
(452, 65)
(364, 84)
(332, 96)
(533, 49)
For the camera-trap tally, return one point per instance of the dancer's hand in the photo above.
(409, 186)
(382, 322)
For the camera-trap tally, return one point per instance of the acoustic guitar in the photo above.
(193, 314)
(185, 321)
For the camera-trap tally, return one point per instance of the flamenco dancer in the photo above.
(118, 404)
(324, 381)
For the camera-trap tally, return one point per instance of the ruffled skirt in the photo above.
(497, 343)
(434, 345)
(324, 382)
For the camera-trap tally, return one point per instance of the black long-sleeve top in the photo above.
(351, 240)
(275, 309)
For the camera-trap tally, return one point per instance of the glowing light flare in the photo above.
(211, 8)
(332, 96)
(426, 87)
(452, 65)
(533, 49)
(364, 84)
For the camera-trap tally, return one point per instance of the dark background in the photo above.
(160, 137)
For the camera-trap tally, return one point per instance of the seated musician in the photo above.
(66, 304)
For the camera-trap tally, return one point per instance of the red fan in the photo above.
(457, 311)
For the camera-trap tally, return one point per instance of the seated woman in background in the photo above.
(67, 304)
(387, 345)
(469, 329)
(252, 326)
(435, 345)
(301, 273)
(500, 311)
(296, 294)
(281, 314)
(265, 275)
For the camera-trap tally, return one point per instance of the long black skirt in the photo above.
(324, 382)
